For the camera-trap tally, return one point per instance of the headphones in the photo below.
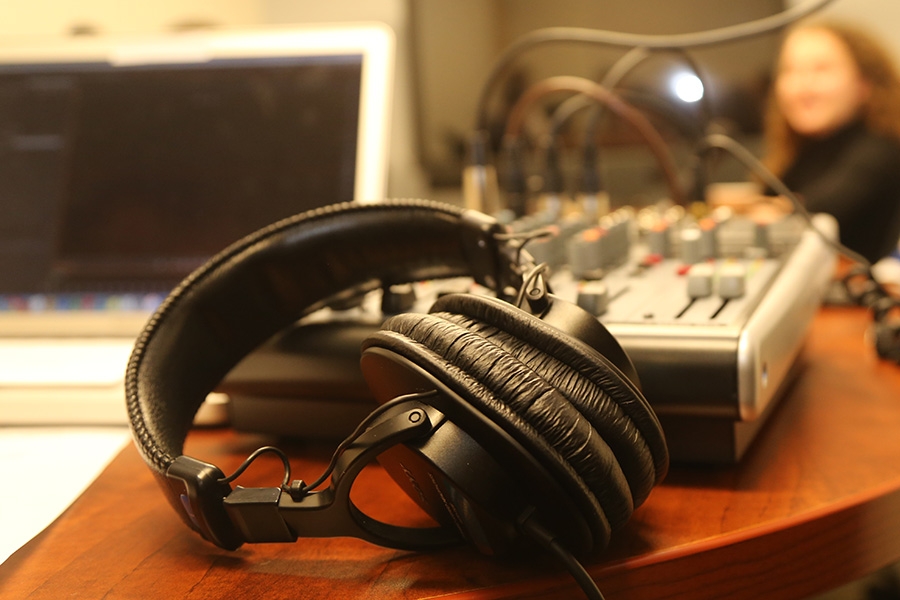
(502, 422)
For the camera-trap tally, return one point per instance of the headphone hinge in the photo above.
(255, 511)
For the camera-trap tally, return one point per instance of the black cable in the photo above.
(591, 178)
(515, 184)
(298, 489)
(681, 123)
(634, 58)
(587, 87)
(479, 141)
(572, 105)
(547, 541)
(523, 237)
(256, 454)
(630, 40)
(529, 283)
(745, 157)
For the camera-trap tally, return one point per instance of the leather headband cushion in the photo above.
(262, 284)
(555, 345)
(522, 403)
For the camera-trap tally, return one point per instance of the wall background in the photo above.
(881, 16)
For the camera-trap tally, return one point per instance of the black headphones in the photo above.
(499, 421)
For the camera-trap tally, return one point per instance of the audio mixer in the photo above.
(712, 311)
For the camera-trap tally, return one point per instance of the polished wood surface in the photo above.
(814, 504)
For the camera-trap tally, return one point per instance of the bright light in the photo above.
(687, 87)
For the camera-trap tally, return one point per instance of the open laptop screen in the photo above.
(130, 178)
(119, 178)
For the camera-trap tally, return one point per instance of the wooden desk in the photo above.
(816, 503)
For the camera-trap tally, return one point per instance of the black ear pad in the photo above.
(564, 402)
(522, 404)
(591, 383)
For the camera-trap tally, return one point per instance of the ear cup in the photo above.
(581, 417)
(591, 383)
(528, 408)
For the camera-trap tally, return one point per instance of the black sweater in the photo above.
(853, 175)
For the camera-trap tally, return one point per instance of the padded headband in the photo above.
(268, 280)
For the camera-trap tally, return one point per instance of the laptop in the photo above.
(127, 162)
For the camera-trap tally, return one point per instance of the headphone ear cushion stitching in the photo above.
(532, 398)
(570, 351)
(589, 398)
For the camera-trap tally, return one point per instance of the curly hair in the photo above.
(881, 112)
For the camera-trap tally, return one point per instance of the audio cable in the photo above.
(545, 540)
(299, 488)
(480, 188)
(751, 162)
(614, 103)
(583, 35)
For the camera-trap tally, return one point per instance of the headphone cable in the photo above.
(547, 541)
(298, 489)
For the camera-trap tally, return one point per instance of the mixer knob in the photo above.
(593, 296)
(761, 241)
(587, 252)
(657, 240)
(691, 245)
(709, 245)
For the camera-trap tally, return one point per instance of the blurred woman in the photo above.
(833, 132)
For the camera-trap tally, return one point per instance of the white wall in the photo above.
(882, 17)
(57, 17)
(454, 42)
